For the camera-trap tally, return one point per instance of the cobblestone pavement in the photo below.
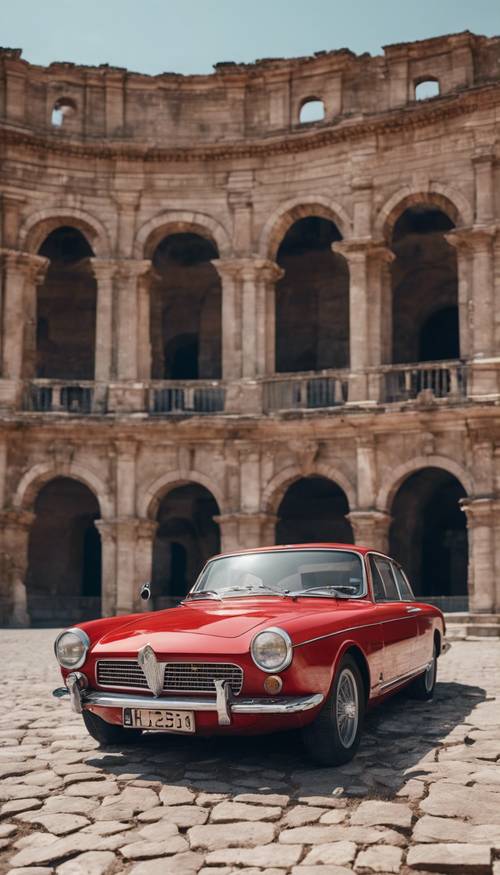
(423, 794)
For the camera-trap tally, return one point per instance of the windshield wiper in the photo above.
(351, 590)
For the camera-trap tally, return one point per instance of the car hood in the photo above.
(201, 626)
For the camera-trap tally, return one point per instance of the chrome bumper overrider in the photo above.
(224, 704)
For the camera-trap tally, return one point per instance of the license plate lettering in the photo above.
(164, 721)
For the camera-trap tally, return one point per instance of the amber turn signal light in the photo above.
(273, 684)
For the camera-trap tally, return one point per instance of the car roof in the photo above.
(328, 545)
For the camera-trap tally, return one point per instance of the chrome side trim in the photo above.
(278, 705)
(404, 677)
(353, 629)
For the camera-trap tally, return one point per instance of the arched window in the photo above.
(312, 299)
(424, 282)
(186, 310)
(63, 108)
(312, 110)
(313, 509)
(426, 88)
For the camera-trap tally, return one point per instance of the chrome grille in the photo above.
(181, 677)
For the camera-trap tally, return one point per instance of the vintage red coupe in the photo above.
(295, 637)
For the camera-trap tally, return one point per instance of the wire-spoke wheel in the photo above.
(333, 737)
(423, 686)
(347, 707)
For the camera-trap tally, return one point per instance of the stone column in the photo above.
(370, 528)
(107, 531)
(483, 524)
(483, 163)
(368, 314)
(244, 531)
(228, 270)
(14, 536)
(22, 272)
(145, 536)
(475, 262)
(104, 270)
(127, 317)
(10, 218)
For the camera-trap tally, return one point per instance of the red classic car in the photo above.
(305, 636)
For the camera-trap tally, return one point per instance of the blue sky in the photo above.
(153, 36)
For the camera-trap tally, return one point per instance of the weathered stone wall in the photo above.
(223, 157)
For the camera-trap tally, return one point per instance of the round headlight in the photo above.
(71, 648)
(272, 650)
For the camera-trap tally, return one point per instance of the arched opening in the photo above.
(186, 537)
(63, 109)
(186, 315)
(66, 309)
(424, 287)
(312, 110)
(428, 536)
(63, 580)
(312, 299)
(313, 510)
(426, 88)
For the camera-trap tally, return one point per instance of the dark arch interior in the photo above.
(312, 299)
(66, 310)
(64, 554)
(313, 509)
(424, 285)
(428, 534)
(186, 302)
(186, 537)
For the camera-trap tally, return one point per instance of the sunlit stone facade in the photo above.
(223, 327)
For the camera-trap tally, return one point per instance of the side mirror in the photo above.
(146, 591)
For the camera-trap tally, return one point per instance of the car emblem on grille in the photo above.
(154, 671)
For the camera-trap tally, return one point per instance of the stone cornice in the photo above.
(346, 130)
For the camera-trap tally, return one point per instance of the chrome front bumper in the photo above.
(224, 703)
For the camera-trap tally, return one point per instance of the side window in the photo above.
(403, 584)
(378, 584)
(384, 568)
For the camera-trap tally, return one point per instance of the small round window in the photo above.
(312, 111)
(63, 109)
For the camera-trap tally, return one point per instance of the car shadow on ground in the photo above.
(400, 740)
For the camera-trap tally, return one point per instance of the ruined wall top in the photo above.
(238, 102)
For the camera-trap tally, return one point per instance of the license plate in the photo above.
(166, 721)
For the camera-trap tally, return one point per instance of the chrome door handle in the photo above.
(413, 610)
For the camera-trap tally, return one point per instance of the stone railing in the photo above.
(305, 391)
(446, 379)
(188, 396)
(60, 396)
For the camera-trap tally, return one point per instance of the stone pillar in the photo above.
(145, 536)
(107, 531)
(483, 162)
(370, 528)
(368, 314)
(239, 197)
(228, 270)
(10, 218)
(244, 531)
(21, 273)
(476, 304)
(483, 525)
(14, 536)
(104, 270)
(127, 317)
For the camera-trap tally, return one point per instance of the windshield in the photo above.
(316, 572)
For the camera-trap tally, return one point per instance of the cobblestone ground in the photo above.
(422, 795)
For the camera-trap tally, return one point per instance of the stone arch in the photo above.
(155, 229)
(37, 226)
(276, 488)
(448, 199)
(291, 211)
(37, 476)
(150, 497)
(392, 482)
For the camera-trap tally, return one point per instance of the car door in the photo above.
(399, 625)
(424, 645)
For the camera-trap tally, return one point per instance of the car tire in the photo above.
(108, 733)
(333, 738)
(423, 687)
